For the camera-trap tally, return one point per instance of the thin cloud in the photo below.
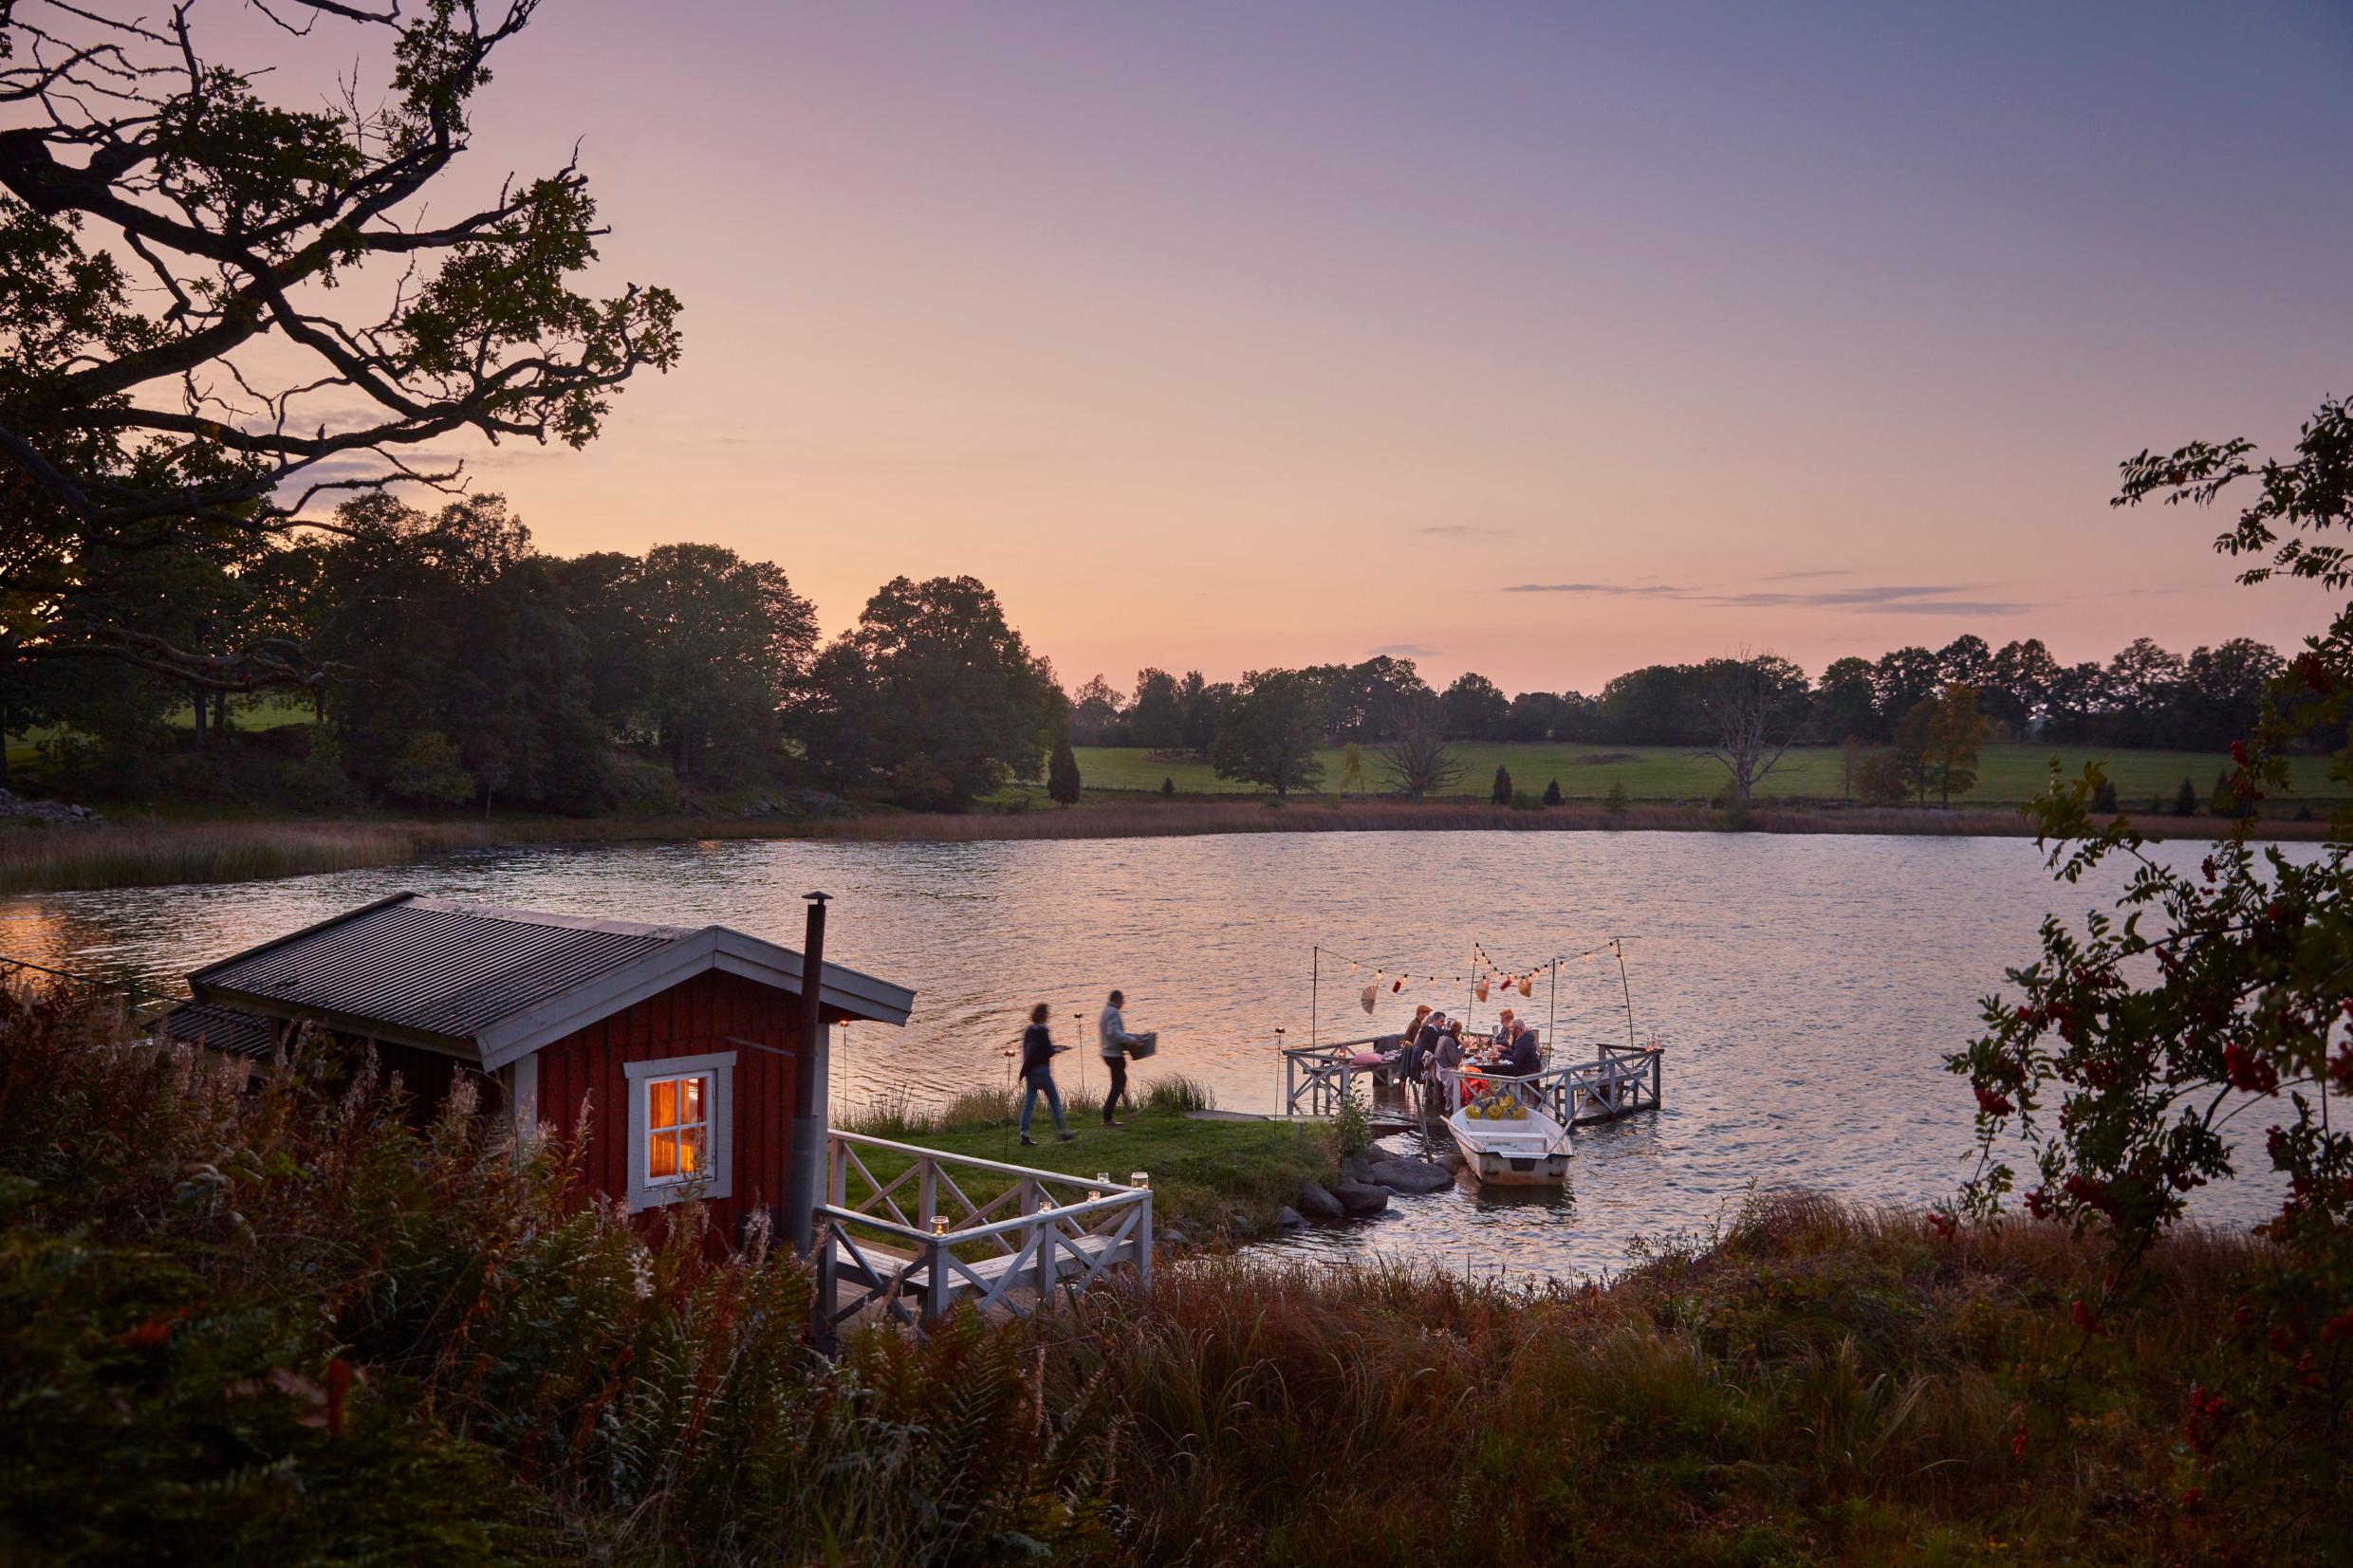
(1799, 577)
(1660, 588)
(1895, 599)
(1890, 599)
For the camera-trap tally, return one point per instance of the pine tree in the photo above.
(1552, 793)
(1168, 788)
(2103, 798)
(2185, 799)
(1615, 801)
(1502, 795)
(1062, 774)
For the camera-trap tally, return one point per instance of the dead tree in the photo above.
(1757, 709)
(1420, 762)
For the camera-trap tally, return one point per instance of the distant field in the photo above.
(2007, 774)
(244, 713)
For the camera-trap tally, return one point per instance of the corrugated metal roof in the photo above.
(436, 967)
(231, 1029)
(498, 983)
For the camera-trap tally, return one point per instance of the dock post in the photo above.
(1143, 1259)
(935, 1283)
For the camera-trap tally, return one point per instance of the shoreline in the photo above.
(164, 852)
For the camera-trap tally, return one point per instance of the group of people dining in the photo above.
(1434, 1044)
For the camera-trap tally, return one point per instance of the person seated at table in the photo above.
(1521, 1059)
(1425, 1041)
(1445, 1052)
(1505, 1029)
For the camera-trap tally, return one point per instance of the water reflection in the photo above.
(1805, 989)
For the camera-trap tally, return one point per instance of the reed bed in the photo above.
(154, 854)
(157, 854)
(1144, 819)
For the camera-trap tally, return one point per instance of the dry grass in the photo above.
(1140, 820)
(154, 854)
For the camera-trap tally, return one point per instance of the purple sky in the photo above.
(1540, 343)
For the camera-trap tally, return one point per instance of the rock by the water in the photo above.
(1411, 1176)
(1318, 1204)
(1356, 1168)
(1168, 1235)
(1362, 1197)
(61, 812)
(1287, 1218)
(1451, 1157)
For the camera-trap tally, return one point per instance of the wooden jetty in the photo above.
(908, 1248)
(1620, 1080)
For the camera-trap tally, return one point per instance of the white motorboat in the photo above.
(1509, 1144)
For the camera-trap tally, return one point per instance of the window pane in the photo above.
(661, 1159)
(693, 1089)
(662, 1102)
(690, 1151)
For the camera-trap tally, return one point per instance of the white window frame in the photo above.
(717, 1180)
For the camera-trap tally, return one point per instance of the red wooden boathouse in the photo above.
(676, 1049)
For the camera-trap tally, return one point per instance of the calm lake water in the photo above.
(1805, 989)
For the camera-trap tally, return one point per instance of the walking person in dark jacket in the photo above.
(1038, 1051)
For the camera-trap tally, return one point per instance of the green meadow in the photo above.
(2007, 773)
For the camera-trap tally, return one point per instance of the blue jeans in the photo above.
(1041, 1082)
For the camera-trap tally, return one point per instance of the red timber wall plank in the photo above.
(710, 1013)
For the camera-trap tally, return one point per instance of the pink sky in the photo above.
(1226, 336)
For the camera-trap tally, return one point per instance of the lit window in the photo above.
(679, 1128)
(678, 1115)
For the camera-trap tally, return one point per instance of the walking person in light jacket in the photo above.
(1111, 1031)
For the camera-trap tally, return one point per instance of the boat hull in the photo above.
(1530, 1152)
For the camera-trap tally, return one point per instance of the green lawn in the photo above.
(264, 712)
(1202, 1172)
(2007, 774)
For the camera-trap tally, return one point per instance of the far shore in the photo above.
(159, 852)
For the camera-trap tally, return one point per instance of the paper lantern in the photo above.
(1527, 984)
(1397, 985)
(1367, 998)
(1478, 987)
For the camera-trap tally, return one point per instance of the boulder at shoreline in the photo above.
(1318, 1204)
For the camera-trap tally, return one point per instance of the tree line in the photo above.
(2144, 696)
(452, 662)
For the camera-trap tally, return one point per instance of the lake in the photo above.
(1805, 989)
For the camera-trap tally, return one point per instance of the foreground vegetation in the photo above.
(293, 1324)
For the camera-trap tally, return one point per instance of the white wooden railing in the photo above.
(1620, 1080)
(918, 1238)
(1316, 1079)
(1624, 1079)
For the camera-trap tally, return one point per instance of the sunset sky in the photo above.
(1521, 338)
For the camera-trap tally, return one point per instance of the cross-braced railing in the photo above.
(915, 1235)
(1624, 1079)
(1316, 1078)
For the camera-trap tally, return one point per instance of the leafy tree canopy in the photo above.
(225, 296)
(932, 698)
